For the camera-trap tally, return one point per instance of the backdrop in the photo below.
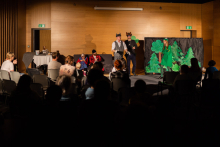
(184, 43)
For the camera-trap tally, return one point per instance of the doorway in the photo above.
(40, 38)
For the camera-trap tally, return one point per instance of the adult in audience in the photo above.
(94, 58)
(210, 70)
(93, 76)
(54, 64)
(8, 65)
(65, 84)
(119, 73)
(98, 65)
(83, 61)
(183, 74)
(124, 65)
(118, 47)
(67, 69)
(23, 101)
(195, 71)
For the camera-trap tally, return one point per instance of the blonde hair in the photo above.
(9, 55)
(69, 59)
(78, 65)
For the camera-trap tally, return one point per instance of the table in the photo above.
(42, 59)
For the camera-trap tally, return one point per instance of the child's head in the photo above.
(10, 56)
(211, 63)
(78, 65)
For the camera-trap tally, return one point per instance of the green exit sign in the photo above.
(188, 27)
(41, 25)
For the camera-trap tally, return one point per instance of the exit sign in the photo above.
(41, 25)
(188, 27)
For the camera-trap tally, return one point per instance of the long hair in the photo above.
(165, 47)
(195, 65)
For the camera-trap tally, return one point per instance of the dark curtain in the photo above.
(183, 43)
(8, 28)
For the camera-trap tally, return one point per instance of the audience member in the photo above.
(79, 74)
(210, 70)
(195, 71)
(98, 65)
(93, 76)
(94, 58)
(183, 74)
(23, 101)
(83, 61)
(119, 73)
(8, 65)
(65, 84)
(54, 64)
(123, 65)
(67, 69)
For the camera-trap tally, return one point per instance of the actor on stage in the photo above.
(131, 56)
(167, 56)
(118, 47)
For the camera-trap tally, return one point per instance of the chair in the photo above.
(15, 76)
(53, 74)
(5, 75)
(7, 88)
(42, 79)
(118, 83)
(33, 71)
(38, 88)
(216, 75)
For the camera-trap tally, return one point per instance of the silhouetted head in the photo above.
(24, 82)
(93, 76)
(65, 84)
(140, 86)
(184, 69)
(98, 65)
(54, 93)
(211, 63)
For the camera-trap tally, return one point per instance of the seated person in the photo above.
(93, 76)
(183, 74)
(78, 72)
(67, 69)
(119, 73)
(210, 70)
(8, 65)
(123, 65)
(65, 84)
(83, 61)
(94, 58)
(195, 71)
(54, 64)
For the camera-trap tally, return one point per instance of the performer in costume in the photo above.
(131, 56)
(167, 56)
(118, 47)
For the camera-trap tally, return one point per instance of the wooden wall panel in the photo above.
(190, 15)
(45, 39)
(185, 34)
(21, 34)
(207, 31)
(8, 28)
(37, 12)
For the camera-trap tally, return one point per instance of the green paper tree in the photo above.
(189, 55)
(135, 39)
(176, 67)
(176, 52)
(157, 46)
(153, 66)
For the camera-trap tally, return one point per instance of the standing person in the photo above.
(94, 58)
(167, 56)
(131, 56)
(54, 64)
(118, 47)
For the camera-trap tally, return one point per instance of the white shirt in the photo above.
(54, 65)
(119, 44)
(7, 65)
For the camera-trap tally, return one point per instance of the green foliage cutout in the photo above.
(189, 55)
(157, 46)
(153, 66)
(135, 39)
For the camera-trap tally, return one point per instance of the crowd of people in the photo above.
(96, 115)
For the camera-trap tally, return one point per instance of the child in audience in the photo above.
(67, 69)
(210, 70)
(65, 84)
(8, 64)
